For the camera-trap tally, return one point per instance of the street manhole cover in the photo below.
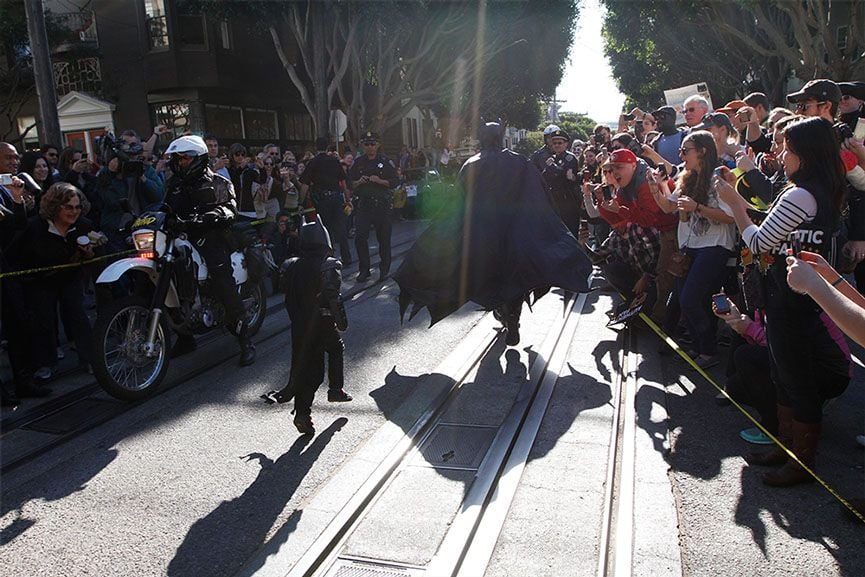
(452, 446)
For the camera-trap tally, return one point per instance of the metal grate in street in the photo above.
(452, 446)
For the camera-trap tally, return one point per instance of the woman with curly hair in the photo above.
(706, 235)
(58, 236)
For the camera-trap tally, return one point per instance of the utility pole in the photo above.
(49, 129)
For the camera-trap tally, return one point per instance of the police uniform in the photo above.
(325, 176)
(373, 203)
(563, 191)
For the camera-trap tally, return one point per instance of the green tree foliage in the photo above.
(578, 126)
(736, 46)
(529, 144)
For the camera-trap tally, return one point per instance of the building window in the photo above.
(411, 138)
(226, 122)
(298, 127)
(82, 75)
(843, 34)
(260, 124)
(225, 35)
(157, 24)
(174, 115)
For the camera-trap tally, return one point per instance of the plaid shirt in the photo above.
(636, 245)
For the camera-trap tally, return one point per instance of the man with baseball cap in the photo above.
(818, 97)
(852, 105)
(644, 237)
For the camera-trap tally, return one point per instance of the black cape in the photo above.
(500, 242)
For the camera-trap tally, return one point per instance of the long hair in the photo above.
(820, 169)
(28, 165)
(697, 183)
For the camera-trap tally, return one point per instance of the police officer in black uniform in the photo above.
(325, 178)
(371, 178)
(206, 200)
(540, 156)
(561, 180)
(311, 283)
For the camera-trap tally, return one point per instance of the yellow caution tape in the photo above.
(63, 266)
(673, 345)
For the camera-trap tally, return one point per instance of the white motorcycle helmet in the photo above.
(189, 145)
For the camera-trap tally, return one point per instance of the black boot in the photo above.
(338, 396)
(304, 424)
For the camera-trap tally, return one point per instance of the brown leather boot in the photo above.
(776, 455)
(805, 439)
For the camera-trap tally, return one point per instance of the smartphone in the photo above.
(795, 247)
(83, 156)
(628, 117)
(662, 169)
(718, 173)
(859, 133)
(5, 179)
(722, 305)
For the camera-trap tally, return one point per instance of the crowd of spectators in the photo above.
(77, 206)
(750, 184)
(696, 216)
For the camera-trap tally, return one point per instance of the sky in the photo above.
(587, 85)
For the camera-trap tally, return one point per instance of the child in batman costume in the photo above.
(311, 284)
(502, 242)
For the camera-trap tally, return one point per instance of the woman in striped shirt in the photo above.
(810, 362)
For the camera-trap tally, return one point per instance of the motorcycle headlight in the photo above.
(144, 241)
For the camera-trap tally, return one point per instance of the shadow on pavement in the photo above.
(705, 445)
(220, 542)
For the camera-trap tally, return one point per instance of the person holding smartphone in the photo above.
(705, 234)
(810, 363)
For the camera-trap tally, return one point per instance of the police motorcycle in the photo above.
(170, 290)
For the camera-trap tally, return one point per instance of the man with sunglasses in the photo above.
(822, 97)
(195, 193)
(694, 109)
(851, 109)
(371, 178)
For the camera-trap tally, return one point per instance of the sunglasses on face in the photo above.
(800, 106)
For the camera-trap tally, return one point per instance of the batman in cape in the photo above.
(502, 242)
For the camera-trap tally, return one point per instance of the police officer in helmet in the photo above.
(198, 195)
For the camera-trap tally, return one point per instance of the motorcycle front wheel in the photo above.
(120, 363)
(255, 300)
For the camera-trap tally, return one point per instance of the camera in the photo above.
(108, 148)
(607, 191)
(843, 131)
(5, 179)
(628, 117)
(662, 169)
(598, 138)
